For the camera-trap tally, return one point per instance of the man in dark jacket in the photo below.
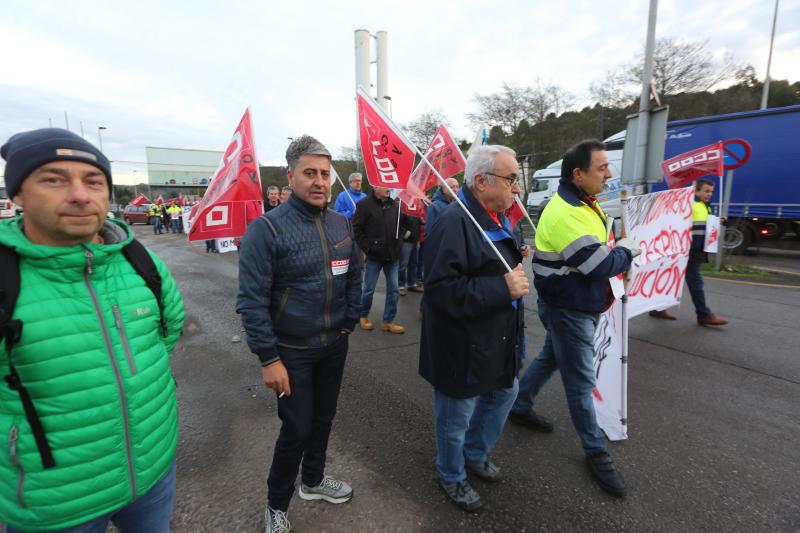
(299, 290)
(407, 272)
(572, 265)
(472, 323)
(375, 224)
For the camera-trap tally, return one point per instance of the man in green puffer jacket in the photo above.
(92, 354)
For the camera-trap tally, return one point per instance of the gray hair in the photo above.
(273, 188)
(481, 161)
(353, 176)
(304, 145)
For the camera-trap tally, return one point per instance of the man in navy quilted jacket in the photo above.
(299, 297)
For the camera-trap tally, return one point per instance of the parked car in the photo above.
(133, 214)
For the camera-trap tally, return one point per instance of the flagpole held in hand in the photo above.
(367, 98)
(399, 212)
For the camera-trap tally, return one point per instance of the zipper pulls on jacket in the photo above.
(89, 258)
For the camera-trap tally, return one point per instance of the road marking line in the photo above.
(756, 283)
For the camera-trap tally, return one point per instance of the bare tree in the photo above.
(683, 66)
(613, 90)
(512, 104)
(422, 129)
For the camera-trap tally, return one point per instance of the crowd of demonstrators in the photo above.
(473, 323)
(380, 229)
(299, 298)
(90, 409)
(704, 189)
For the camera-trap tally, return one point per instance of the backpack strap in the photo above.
(143, 264)
(11, 331)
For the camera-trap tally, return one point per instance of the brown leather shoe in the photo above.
(391, 327)
(366, 324)
(416, 288)
(663, 314)
(711, 320)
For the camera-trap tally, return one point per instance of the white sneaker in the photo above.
(330, 490)
(277, 521)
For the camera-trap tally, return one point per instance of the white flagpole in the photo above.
(624, 328)
(525, 213)
(442, 182)
(399, 212)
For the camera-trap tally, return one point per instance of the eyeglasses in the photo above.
(512, 179)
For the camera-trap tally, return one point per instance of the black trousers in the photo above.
(315, 377)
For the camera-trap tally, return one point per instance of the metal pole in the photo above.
(382, 70)
(66, 120)
(725, 202)
(765, 92)
(644, 99)
(624, 326)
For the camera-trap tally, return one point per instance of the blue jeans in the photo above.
(407, 275)
(175, 225)
(156, 222)
(694, 280)
(569, 348)
(152, 512)
(467, 428)
(372, 269)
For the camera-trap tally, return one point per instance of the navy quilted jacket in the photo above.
(299, 279)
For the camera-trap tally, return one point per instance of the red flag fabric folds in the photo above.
(413, 205)
(140, 199)
(159, 200)
(514, 214)
(388, 156)
(224, 212)
(687, 167)
(445, 155)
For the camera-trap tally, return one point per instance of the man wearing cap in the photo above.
(299, 296)
(89, 411)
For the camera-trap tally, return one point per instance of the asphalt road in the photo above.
(713, 442)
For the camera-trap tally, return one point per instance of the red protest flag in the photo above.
(411, 204)
(694, 164)
(159, 200)
(223, 211)
(140, 199)
(388, 155)
(514, 214)
(444, 155)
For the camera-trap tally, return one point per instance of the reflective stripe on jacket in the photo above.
(572, 263)
(700, 211)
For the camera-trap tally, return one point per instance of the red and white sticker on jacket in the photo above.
(340, 266)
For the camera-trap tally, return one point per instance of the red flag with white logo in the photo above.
(229, 202)
(444, 155)
(689, 166)
(388, 155)
(140, 199)
(159, 200)
(412, 205)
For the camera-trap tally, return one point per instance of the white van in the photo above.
(544, 183)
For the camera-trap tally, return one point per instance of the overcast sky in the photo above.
(180, 74)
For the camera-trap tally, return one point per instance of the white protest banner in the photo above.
(607, 395)
(661, 224)
(226, 245)
(187, 221)
(712, 235)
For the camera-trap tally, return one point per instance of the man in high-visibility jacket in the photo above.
(572, 265)
(155, 218)
(694, 278)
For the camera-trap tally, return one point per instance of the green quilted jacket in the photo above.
(93, 359)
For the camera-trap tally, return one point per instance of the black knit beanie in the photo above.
(27, 151)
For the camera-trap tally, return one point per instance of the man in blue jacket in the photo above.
(441, 200)
(473, 323)
(347, 200)
(571, 267)
(299, 296)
